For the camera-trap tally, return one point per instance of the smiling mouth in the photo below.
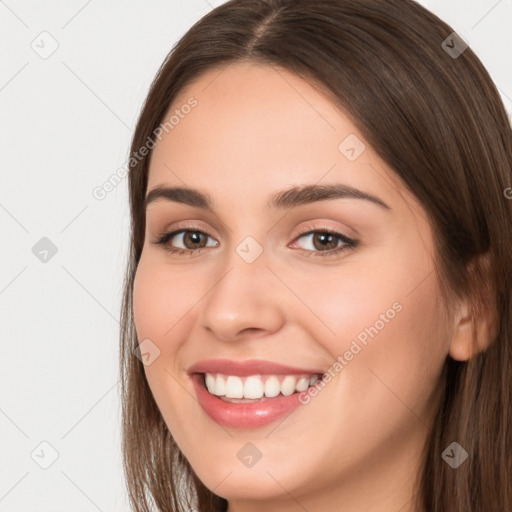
(256, 388)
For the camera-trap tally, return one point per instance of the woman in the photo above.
(318, 292)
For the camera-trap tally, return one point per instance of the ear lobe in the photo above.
(476, 325)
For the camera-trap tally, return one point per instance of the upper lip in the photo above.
(248, 367)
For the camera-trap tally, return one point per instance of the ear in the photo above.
(476, 321)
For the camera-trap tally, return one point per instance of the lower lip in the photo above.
(243, 415)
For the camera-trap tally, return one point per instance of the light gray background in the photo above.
(65, 128)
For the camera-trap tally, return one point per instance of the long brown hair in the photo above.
(437, 119)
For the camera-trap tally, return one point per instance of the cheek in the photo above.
(384, 327)
(397, 371)
(160, 300)
(158, 310)
(149, 301)
(159, 307)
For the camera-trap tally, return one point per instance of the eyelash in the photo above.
(349, 242)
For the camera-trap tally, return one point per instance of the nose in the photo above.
(244, 301)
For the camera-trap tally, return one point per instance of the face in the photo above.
(325, 283)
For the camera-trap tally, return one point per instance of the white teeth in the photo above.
(210, 383)
(288, 385)
(254, 387)
(272, 387)
(220, 385)
(234, 387)
(216, 386)
(302, 384)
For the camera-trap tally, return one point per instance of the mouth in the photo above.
(256, 388)
(240, 411)
(252, 393)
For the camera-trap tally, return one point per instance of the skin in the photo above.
(255, 131)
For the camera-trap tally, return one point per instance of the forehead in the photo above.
(261, 127)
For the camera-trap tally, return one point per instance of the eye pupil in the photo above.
(325, 239)
(194, 237)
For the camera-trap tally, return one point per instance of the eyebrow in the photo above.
(290, 198)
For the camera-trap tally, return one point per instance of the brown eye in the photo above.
(185, 240)
(325, 242)
(194, 239)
